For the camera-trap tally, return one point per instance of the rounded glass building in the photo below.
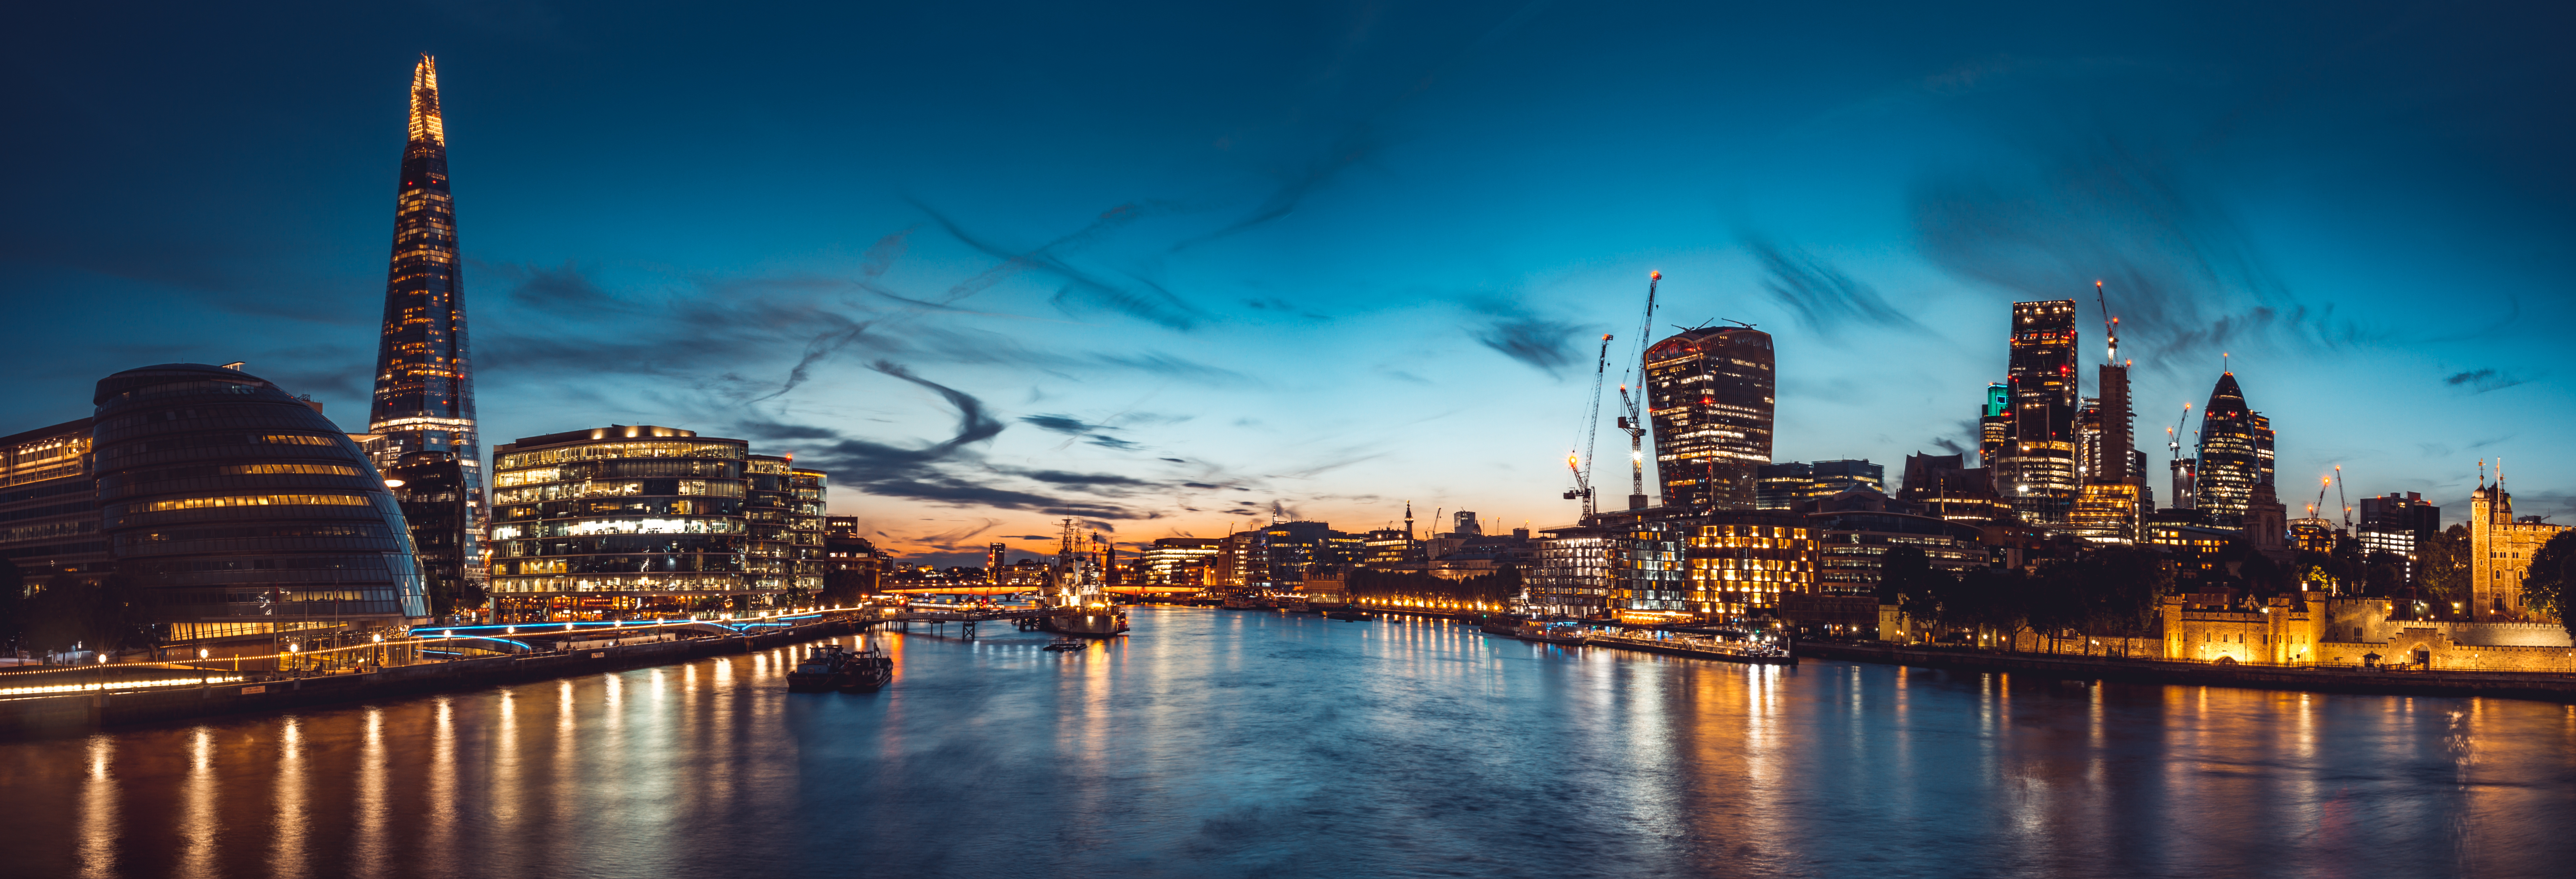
(243, 512)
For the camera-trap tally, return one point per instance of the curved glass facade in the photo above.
(242, 510)
(627, 518)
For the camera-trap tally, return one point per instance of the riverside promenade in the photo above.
(2500, 685)
(80, 700)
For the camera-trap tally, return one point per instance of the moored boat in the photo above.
(867, 670)
(820, 670)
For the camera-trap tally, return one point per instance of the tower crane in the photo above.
(1581, 463)
(2340, 499)
(2323, 483)
(1633, 422)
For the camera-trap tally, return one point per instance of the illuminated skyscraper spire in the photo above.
(424, 399)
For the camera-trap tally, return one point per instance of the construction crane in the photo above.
(2340, 499)
(1581, 463)
(2323, 483)
(2173, 435)
(1634, 422)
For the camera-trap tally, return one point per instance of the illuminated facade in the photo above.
(2039, 466)
(49, 505)
(783, 507)
(243, 511)
(424, 397)
(1994, 425)
(2500, 551)
(1709, 392)
(2234, 456)
(1180, 561)
(1575, 572)
(625, 518)
(1740, 565)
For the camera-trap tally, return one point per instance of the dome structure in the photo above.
(242, 511)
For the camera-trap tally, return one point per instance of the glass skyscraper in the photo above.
(2039, 465)
(1709, 398)
(424, 400)
(2235, 454)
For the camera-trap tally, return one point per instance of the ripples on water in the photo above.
(1221, 743)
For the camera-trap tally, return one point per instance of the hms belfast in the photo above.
(1079, 602)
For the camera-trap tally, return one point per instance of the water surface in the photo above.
(1224, 743)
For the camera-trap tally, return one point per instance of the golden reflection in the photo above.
(370, 814)
(566, 784)
(98, 825)
(441, 830)
(287, 833)
(199, 825)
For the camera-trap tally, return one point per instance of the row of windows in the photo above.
(618, 488)
(235, 452)
(648, 583)
(47, 510)
(646, 506)
(257, 544)
(587, 527)
(49, 530)
(200, 441)
(618, 564)
(219, 386)
(636, 449)
(58, 550)
(388, 510)
(152, 476)
(370, 563)
(111, 492)
(700, 467)
(243, 500)
(712, 543)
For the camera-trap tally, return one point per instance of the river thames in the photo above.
(1223, 743)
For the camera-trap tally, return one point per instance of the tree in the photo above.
(106, 615)
(13, 595)
(2549, 587)
(2383, 574)
(2442, 568)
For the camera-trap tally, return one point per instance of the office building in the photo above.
(851, 564)
(49, 506)
(2397, 523)
(2233, 457)
(243, 512)
(2039, 470)
(431, 488)
(1709, 395)
(622, 519)
(424, 388)
(1994, 424)
(1790, 484)
(1852, 546)
(1944, 489)
(1180, 561)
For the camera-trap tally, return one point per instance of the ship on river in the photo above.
(1078, 602)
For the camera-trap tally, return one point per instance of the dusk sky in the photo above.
(1163, 267)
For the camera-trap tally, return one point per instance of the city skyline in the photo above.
(1288, 316)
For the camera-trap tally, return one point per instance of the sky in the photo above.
(1175, 269)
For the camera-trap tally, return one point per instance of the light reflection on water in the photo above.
(1231, 743)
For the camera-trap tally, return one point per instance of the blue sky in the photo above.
(1163, 267)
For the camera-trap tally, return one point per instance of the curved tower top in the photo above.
(2230, 460)
(424, 399)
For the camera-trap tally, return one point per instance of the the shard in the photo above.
(424, 401)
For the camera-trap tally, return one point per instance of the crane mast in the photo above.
(1632, 421)
(2341, 499)
(1581, 463)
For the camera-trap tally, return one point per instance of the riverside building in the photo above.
(243, 512)
(49, 505)
(623, 519)
(424, 390)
